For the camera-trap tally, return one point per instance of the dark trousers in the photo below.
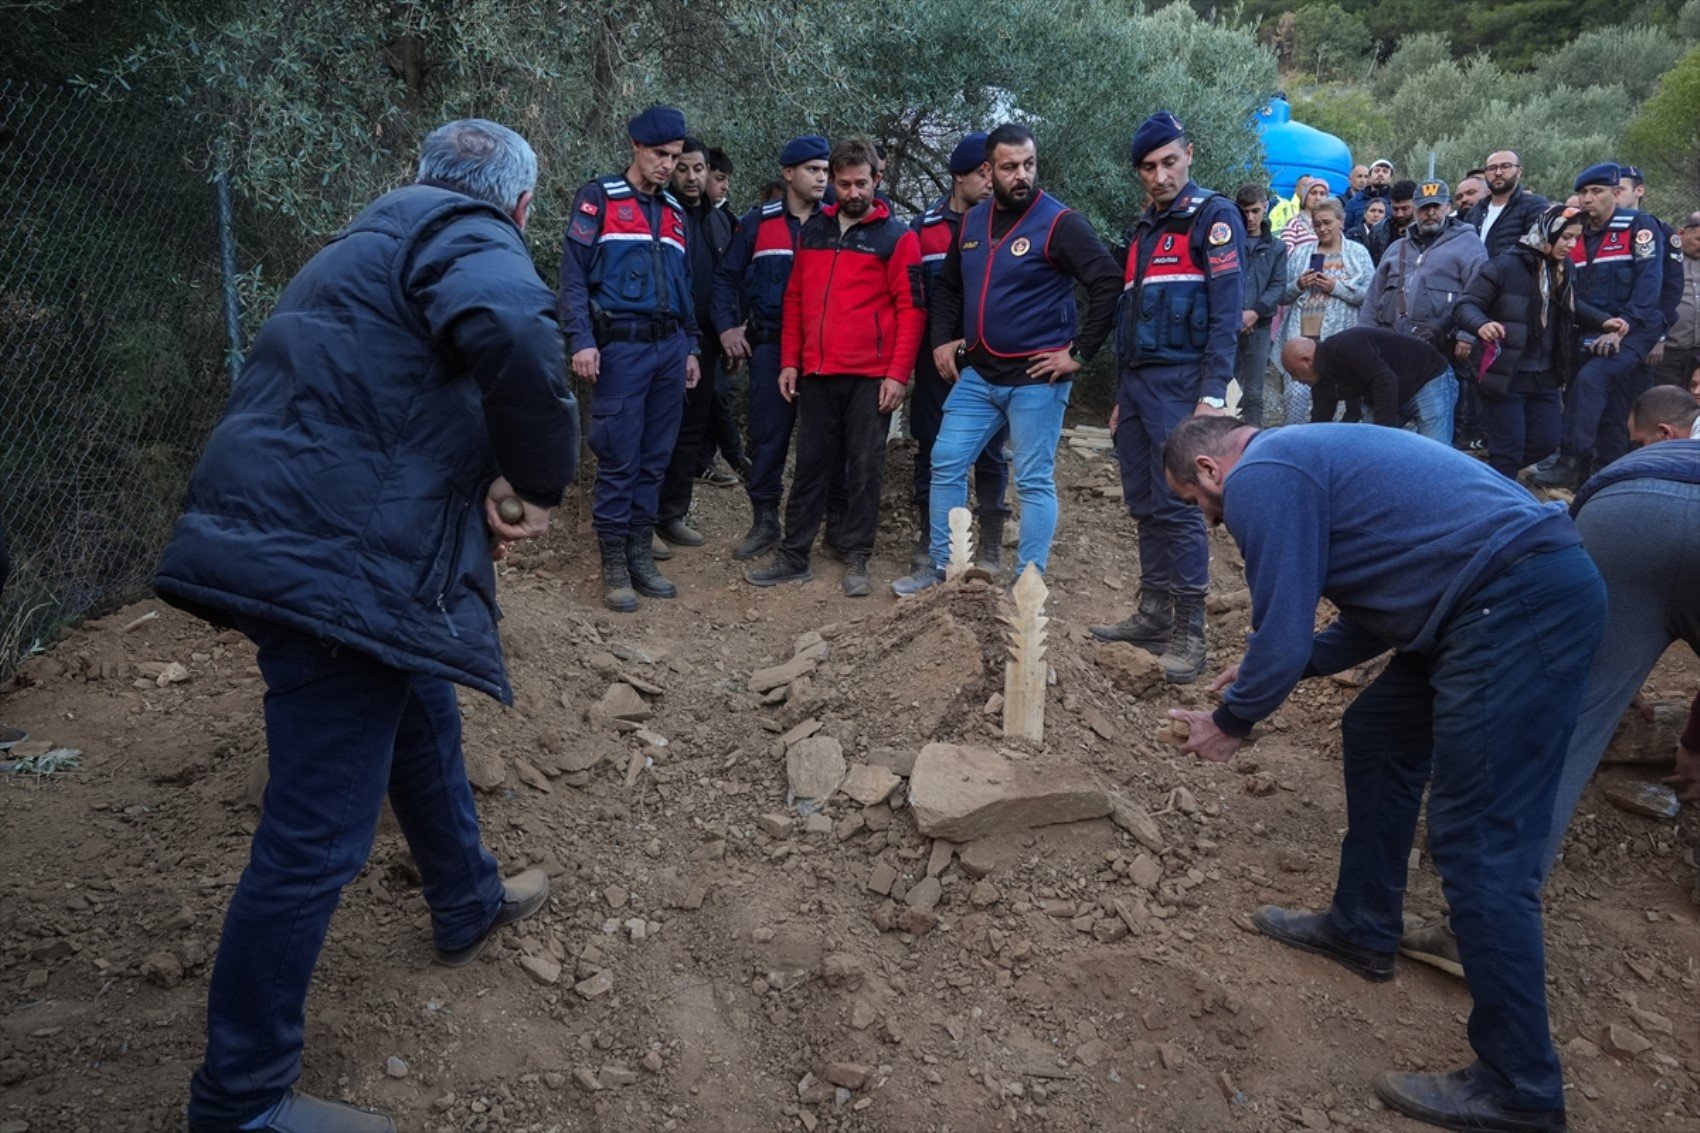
(694, 420)
(342, 731)
(839, 424)
(1251, 371)
(1677, 366)
(927, 393)
(1174, 552)
(771, 421)
(635, 408)
(1523, 425)
(721, 435)
(1483, 721)
(1469, 420)
(1596, 409)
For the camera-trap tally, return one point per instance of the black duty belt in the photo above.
(639, 330)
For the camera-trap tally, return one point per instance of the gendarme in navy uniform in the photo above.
(630, 320)
(1177, 331)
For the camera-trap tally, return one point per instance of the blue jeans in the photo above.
(343, 731)
(635, 409)
(1429, 412)
(973, 414)
(1251, 371)
(1487, 714)
(927, 393)
(1644, 535)
(1174, 551)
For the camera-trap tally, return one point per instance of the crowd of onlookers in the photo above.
(1549, 318)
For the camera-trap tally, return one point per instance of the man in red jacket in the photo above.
(847, 348)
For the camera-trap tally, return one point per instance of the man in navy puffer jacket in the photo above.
(408, 389)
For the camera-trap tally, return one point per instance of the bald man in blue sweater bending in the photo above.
(1492, 612)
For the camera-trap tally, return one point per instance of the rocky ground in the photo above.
(722, 952)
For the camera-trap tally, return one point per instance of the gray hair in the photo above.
(481, 159)
(1331, 204)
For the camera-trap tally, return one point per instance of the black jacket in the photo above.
(1380, 237)
(1507, 291)
(1265, 273)
(1521, 212)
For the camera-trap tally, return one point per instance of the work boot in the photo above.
(717, 477)
(922, 556)
(641, 562)
(763, 535)
(1312, 933)
(1148, 627)
(11, 737)
(924, 578)
(522, 895)
(659, 550)
(1457, 1100)
(617, 592)
(679, 533)
(988, 556)
(830, 544)
(1184, 659)
(856, 584)
(1564, 473)
(1432, 943)
(303, 1113)
(781, 569)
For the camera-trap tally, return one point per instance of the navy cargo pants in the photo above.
(635, 409)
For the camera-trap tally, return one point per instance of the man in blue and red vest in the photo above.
(971, 183)
(630, 321)
(1176, 336)
(1003, 322)
(851, 327)
(749, 303)
(1619, 266)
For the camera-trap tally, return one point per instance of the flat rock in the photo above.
(1625, 1042)
(485, 769)
(983, 894)
(868, 784)
(765, 680)
(899, 761)
(1138, 822)
(596, 986)
(801, 732)
(1145, 871)
(541, 969)
(1655, 800)
(850, 1075)
(1129, 668)
(815, 767)
(925, 894)
(917, 921)
(586, 1079)
(620, 702)
(961, 793)
(881, 879)
(938, 858)
(162, 969)
(774, 825)
(617, 1076)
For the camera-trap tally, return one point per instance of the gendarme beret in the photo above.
(969, 154)
(1604, 173)
(1155, 132)
(805, 147)
(657, 126)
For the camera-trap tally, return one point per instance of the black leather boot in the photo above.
(617, 592)
(856, 583)
(763, 535)
(1456, 1100)
(1148, 627)
(641, 562)
(1184, 659)
(679, 533)
(988, 555)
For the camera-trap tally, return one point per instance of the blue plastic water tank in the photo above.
(1292, 149)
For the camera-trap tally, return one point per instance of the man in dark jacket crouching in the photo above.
(404, 403)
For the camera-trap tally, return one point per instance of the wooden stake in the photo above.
(1024, 677)
(961, 544)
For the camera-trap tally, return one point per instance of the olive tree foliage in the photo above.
(321, 104)
(1664, 137)
(1629, 57)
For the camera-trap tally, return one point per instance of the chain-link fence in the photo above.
(112, 346)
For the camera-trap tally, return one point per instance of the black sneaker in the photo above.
(1457, 1100)
(778, 570)
(717, 477)
(522, 895)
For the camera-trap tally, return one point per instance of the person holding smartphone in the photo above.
(1326, 282)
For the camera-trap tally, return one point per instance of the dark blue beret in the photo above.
(1605, 173)
(805, 147)
(1155, 132)
(657, 126)
(969, 154)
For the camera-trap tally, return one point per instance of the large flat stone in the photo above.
(815, 767)
(779, 675)
(868, 784)
(620, 702)
(962, 793)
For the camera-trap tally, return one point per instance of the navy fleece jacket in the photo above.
(1394, 529)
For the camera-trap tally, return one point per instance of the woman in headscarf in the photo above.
(1523, 309)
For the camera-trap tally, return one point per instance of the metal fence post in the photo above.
(227, 263)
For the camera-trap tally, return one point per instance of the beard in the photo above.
(1015, 196)
(855, 209)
